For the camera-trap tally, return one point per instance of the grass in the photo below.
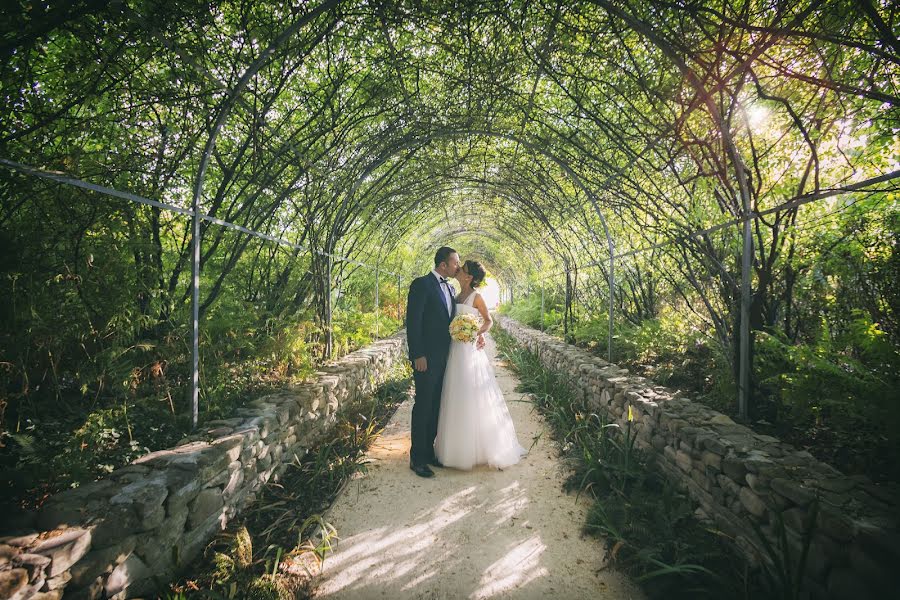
(648, 525)
(279, 542)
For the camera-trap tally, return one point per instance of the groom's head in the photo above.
(446, 261)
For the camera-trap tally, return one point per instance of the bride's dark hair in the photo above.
(474, 268)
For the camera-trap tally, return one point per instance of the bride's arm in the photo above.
(481, 306)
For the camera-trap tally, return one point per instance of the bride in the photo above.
(474, 425)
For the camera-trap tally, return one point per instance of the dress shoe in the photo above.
(422, 470)
(436, 463)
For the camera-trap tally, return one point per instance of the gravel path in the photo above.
(478, 534)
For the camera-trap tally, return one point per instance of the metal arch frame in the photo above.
(390, 230)
(430, 136)
(506, 228)
(495, 189)
(225, 110)
(458, 233)
(499, 190)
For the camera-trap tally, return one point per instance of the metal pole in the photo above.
(377, 299)
(399, 296)
(612, 295)
(744, 366)
(195, 311)
(329, 340)
(542, 306)
(566, 308)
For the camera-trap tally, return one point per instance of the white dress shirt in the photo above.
(445, 288)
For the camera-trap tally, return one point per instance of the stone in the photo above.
(158, 551)
(145, 497)
(792, 490)
(729, 485)
(101, 561)
(838, 486)
(131, 570)
(203, 459)
(183, 487)
(64, 549)
(12, 582)
(235, 481)
(715, 445)
(59, 582)
(757, 461)
(6, 553)
(689, 434)
(721, 420)
(217, 432)
(669, 453)
(734, 468)
(207, 503)
(117, 522)
(224, 422)
(32, 562)
(193, 541)
(774, 501)
(756, 483)
(795, 519)
(19, 541)
(684, 461)
(51, 595)
(711, 459)
(232, 445)
(752, 502)
(263, 462)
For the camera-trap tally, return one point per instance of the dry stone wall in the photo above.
(741, 478)
(120, 536)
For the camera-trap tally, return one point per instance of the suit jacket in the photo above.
(427, 320)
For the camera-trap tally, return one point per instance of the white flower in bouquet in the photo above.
(464, 328)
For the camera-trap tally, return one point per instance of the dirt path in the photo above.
(478, 534)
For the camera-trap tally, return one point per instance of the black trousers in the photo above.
(425, 411)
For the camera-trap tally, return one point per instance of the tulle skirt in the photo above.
(474, 424)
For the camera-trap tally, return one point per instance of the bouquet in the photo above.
(464, 328)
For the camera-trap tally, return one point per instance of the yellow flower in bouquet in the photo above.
(464, 328)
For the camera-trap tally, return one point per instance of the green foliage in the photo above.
(823, 394)
(354, 329)
(527, 310)
(267, 587)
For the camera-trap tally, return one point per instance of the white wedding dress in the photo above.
(474, 425)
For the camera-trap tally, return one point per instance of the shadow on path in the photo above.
(478, 534)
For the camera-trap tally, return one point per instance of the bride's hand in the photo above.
(480, 343)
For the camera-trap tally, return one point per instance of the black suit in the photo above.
(428, 335)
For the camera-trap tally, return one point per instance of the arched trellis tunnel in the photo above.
(551, 139)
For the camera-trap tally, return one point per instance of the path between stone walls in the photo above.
(479, 534)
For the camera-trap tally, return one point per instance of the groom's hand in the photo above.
(421, 364)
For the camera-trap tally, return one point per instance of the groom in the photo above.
(430, 306)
